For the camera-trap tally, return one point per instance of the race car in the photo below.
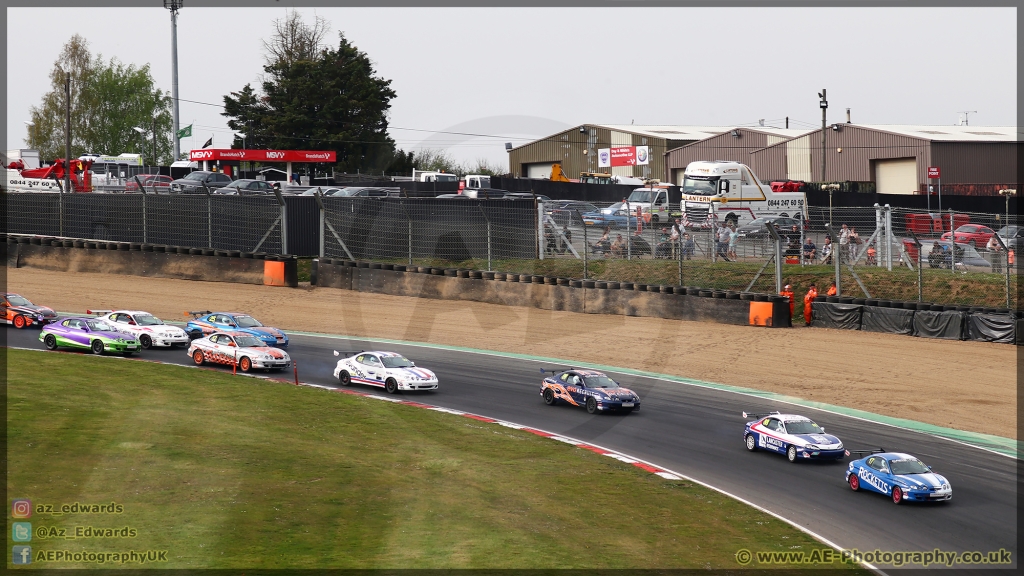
(388, 370)
(797, 437)
(205, 323)
(20, 312)
(900, 476)
(87, 334)
(589, 388)
(148, 329)
(238, 348)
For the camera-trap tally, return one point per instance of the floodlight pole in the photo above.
(824, 108)
(174, 6)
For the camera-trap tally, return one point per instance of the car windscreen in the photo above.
(599, 382)
(195, 176)
(803, 427)
(396, 362)
(147, 320)
(640, 196)
(908, 466)
(18, 301)
(247, 322)
(248, 341)
(100, 325)
(613, 208)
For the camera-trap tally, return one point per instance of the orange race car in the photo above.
(20, 312)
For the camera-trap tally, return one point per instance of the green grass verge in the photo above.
(231, 472)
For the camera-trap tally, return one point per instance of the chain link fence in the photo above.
(245, 223)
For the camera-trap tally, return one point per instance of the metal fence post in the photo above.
(481, 207)
(323, 221)
(920, 271)
(952, 244)
(888, 237)
(837, 256)
(209, 216)
(541, 244)
(409, 217)
(284, 227)
(777, 239)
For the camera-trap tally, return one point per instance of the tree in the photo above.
(108, 100)
(318, 97)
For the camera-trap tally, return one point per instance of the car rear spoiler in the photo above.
(197, 313)
(98, 312)
(870, 451)
(348, 353)
(760, 414)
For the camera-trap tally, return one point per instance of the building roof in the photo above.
(668, 132)
(950, 133)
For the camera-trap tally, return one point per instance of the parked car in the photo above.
(756, 229)
(937, 255)
(324, 191)
(453, 197)
(570, 212)
(1012, 236)
(973, 234)
(155, 183)
(617, 216)
(526, 196)
(246, 188)
(193, 183)
(366, 191)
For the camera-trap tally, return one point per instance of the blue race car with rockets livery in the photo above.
(206, 323)
(798, 437)
(588, 388)
(900, 476)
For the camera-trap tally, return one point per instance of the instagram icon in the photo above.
(21, 508)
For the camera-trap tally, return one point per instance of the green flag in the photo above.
(185, 132)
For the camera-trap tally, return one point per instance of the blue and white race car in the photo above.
(588, 388)
(388, 370)
(899, 476)
(205, 323)
(798, 437)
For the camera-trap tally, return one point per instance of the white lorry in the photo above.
(651, 200)
(726, 191)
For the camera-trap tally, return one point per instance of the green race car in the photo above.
(87, 334)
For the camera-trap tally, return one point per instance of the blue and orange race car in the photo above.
(589, 388)
(205, 323)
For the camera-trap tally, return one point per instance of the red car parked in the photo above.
(150, 181)
(973, 234)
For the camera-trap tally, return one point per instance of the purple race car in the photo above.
(87, 334)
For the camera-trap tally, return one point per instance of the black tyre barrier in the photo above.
(706, 293)
(259, 255)
(551, 280)
(625, 285)
(220, 253)
(871, 301)
(600, 284)
(832, 299)
(576, 283)
(884, 304)
(12, 240)
(562, 281)
(183, 250)
(845, 300)
(136, 246)
(247, 255)
(90, 245)
(117, 245)
(718, 294)
(375, 266)
(937, 308)
(272, 258)
(963, 308)
(148, 248)
(437, 271)
(209, 252)
(195, 251)
(758, 297)
(588, 283)
(511, 277)
(749, 296)
(640, 287)
(692, 291)
(924, 306)
(730, 295)
(234, 253)
(950, 308)
(537, 279)
(57, 243)
(489, 275)
(667, 289)
(399, 267)
(860, 301)
(362, 264)
(24, 240)
(36, 241)
(525, 278)
(387, 266)
(79, 244)
(451, 272)
(476, 275)
(613, 285)
(910, 305)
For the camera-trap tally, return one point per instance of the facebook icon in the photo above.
(22, 555)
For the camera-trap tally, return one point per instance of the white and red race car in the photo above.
(149, 330)
(388, 370)
(238, 349)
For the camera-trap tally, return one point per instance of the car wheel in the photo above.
(791, 453)
(97, 347)
(549, 396)
(897, 495)
(750, 442)
(591, 405)
(146, 341)
(244, 364)
(344, 378)
(19, 321)
(655, 219)
(854, 482)
(197, 357)
(391, 386)
(50, 341)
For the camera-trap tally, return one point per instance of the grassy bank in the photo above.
(232, 472)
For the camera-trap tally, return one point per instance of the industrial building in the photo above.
(972, 160)
(735, 144)
(577, 149)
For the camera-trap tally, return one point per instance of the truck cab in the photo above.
(729, 191)
(434, 177)
(477, 181)
(651, 200)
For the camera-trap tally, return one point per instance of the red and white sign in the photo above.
(933, 172)
(264, 155)
(623, 156)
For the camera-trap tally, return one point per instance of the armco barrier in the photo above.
(549, 293)
(156, 261)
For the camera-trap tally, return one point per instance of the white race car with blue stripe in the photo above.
(798, 437)
(388, 370)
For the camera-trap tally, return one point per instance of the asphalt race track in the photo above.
(698, 432)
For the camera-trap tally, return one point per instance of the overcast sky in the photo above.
(518, 74)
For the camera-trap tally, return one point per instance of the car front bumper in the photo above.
(418, 385)
(128, 346)
(617, 405)
(927, 495)
(271, 364)
(170, 340)
(821, 454)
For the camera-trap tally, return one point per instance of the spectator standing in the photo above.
(844, 242)
(688, 246)
(722, 246)
(812, 293)
(568, 238)
(733, 237)
(854, 241)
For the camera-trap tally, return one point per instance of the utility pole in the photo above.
(174, 6)
(155, 162)
(965, 113)
(67, 131)
(824, 108)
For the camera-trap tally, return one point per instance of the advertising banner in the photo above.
(264, 155)
(623, 156)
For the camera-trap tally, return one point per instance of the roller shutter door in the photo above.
(538, 170)
(896, 176)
